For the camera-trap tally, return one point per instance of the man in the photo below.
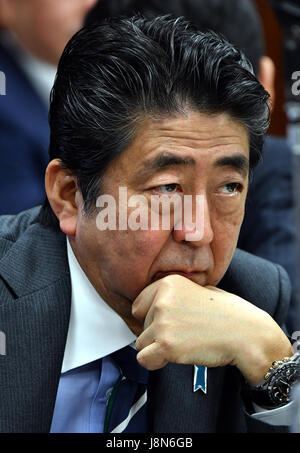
(269, 228)
(32, 37)
(145, 108)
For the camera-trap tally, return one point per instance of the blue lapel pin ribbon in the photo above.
(200, 378)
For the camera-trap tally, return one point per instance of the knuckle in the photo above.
(134, 309)
(172, 280)
(160, 306)
(138, 345)
(166, 343)
(142, 360)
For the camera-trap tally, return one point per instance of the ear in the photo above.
(63, 195)
(266, 76)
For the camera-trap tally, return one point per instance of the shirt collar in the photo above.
(95, 329)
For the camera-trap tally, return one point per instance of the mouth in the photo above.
(187, 274)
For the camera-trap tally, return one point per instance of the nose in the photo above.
(194, 226)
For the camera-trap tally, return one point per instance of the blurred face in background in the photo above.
(43, 27)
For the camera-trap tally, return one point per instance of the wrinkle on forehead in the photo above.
(195, 127)
(184, 136)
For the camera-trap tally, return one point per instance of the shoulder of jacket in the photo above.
(261, 282)
(13, 226)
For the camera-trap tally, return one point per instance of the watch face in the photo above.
(281, 382)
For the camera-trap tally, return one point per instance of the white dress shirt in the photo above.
(96, 330)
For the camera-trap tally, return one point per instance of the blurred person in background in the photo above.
(268, 229)
(33, 35)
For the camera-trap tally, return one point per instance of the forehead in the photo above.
(195, 136)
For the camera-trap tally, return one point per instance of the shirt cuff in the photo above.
(279, 416)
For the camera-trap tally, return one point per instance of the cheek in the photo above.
(138, 241)
(133, 254)
(226, 234)
(144, 247)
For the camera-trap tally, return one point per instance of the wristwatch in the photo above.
(275, 390)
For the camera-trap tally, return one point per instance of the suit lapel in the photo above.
(35, 323)
(175, 408)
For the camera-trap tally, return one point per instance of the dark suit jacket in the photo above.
(24, 140)
(35, 297)
(269, 227)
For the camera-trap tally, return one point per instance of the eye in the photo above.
(168, 188)
(230, 189)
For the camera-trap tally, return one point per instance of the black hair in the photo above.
(238, 20)
(114, 74)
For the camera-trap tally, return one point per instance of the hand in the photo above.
(190, 324)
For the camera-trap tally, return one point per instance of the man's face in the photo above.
(45, 26)
(196, 154)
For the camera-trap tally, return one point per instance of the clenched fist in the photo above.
(190, 324)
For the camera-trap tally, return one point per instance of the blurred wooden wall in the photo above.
(273, 42)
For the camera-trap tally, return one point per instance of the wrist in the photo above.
(276, 388)
(257, 358)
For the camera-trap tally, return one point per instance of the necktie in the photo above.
(127, 408)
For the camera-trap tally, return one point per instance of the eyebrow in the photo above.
(237, 161)
(167, 160)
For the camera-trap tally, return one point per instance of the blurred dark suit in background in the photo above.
(33, 36)
(268, 229)
(24, 138)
